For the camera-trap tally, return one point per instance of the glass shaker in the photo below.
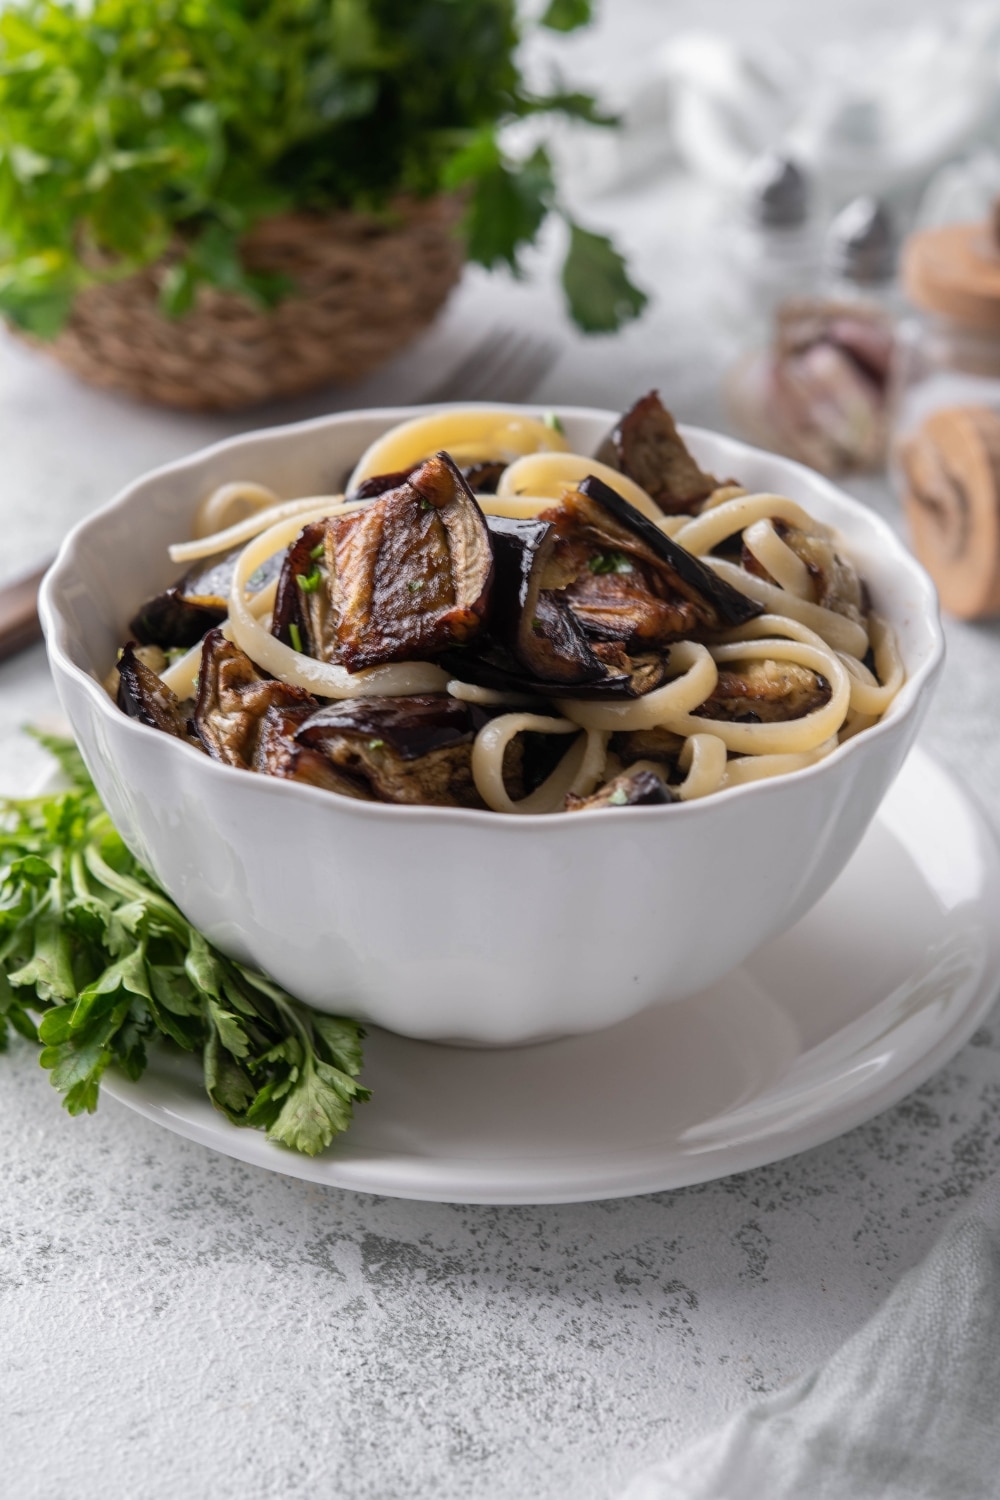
(818, 391)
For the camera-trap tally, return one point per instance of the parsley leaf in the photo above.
(567, 15)
(601, 297)
(136, 133)
(610, 562)
(92, 947)
(507, 203)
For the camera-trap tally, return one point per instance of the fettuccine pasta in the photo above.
(486, 618)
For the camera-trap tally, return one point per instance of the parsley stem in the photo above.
(134, 891)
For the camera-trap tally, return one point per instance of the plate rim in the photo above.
(412, 1178)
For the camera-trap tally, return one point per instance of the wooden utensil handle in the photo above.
(19, 623)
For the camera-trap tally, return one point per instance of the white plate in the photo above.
(871, 992)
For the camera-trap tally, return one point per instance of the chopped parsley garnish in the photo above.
(296, 637)
(551, 420)
(375, 744)
(415, 585)
(610, 562)
(618, 798)
(425, 504)
(309, 582)
(317, 552)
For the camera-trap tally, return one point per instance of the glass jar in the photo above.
(945, 405)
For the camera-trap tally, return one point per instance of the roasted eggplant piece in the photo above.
(143, 696)
(488, 664)
(532, 622)
(233, 700)
(647, 447)
(837, 584)
(661, 745)
(181, 615)
(630, 789)
(626, 581)
(483, 478)
(379, 484)
(766, 692)
(397, 581)
(278, 753)
(300, 601)
(410, 749)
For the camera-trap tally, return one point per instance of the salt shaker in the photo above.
(819, 390)
(773, 248)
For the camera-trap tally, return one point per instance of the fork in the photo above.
(505, 365)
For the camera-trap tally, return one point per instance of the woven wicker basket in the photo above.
(364, 287)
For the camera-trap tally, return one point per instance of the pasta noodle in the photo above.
(785, 566)
(709, 529)
(579, 770)
(810, 675)
(469, 434)
(838, 631)
(231, 503)
(549, 475)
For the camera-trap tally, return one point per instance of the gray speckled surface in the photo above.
(173, 1322)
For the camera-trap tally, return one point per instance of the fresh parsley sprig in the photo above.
(96, 962)
(129, 128)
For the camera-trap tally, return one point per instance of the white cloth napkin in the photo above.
(908, 1409)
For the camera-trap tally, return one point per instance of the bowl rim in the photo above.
(56, 632)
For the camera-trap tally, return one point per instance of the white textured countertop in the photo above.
(175, 1323)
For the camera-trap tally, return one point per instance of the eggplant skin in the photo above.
(411, 726)
(170, 620)
(630, 789)
(647, 447)
(379, 484)
(180, 616)
(294, 607)
(732, 607)
(409, 750)
(142, 695)
(233, 700)
(483, 477)
(488, 664)
(534, 623)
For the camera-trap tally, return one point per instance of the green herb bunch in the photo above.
(129, 126)
(92, 948)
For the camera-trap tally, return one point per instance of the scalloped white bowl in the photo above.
(443, 923)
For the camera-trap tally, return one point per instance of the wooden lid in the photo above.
(955, 272)
(952, 504)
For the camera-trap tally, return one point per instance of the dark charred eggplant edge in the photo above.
(732, 607)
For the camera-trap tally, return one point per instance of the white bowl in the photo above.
(444, 923)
